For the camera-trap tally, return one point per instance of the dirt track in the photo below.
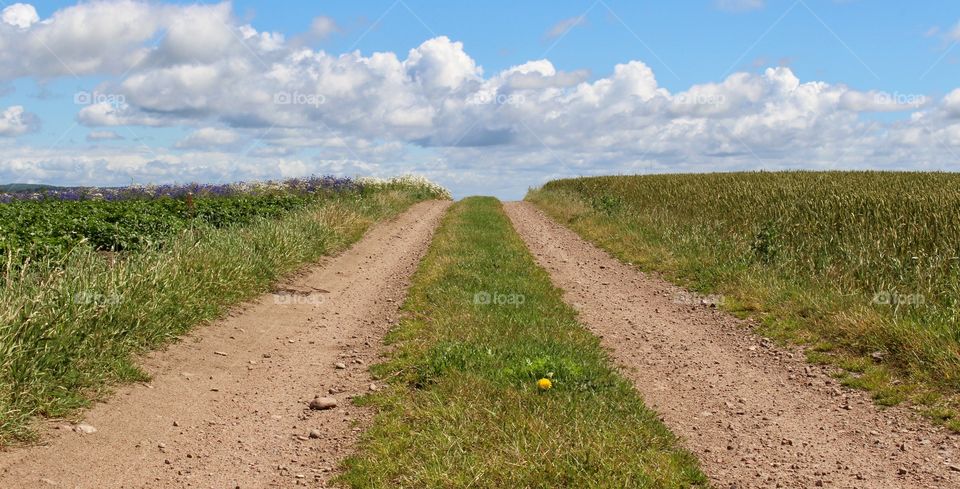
(756, 415)
(227, 406)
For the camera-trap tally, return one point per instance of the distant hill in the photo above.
(25, 187)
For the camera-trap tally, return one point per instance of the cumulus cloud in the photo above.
(229, 82)
(441, 64)
(877, 101)
(15, 121)
(21, 15)
(951, 104)
(113, 36)
(78, 40)
(323, 27)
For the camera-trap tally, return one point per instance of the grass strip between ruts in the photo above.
(482, 325)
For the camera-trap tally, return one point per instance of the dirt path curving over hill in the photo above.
(756, 415)
(228, 405)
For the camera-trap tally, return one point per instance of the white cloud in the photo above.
(103, 136)
(15, 121)
(197, 34)
(21, 15)
(323, 27)
(564, 26)
(433, 110)
(876, 101)
(118, 165)
(951, 104)
(107, 114)
(441, 64)
(209, 137)
(112, 36)
(83, 39)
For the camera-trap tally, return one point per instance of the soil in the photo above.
(229, 405)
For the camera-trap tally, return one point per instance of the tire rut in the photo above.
(756, 415)
(228, 405)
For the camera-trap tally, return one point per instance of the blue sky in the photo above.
(695, 41)
(841, 84)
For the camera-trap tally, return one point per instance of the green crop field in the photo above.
(93, 277)
(861, 267)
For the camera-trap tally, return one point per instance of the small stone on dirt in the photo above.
(315, 434)
(85, 429)
(323, 403)
(340, 365)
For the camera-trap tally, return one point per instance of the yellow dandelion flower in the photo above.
(544, 384)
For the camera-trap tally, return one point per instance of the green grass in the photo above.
(463, 408)
(48, 229)
(861, 266)
(72, 326)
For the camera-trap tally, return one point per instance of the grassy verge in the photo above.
(860, 267)
(483, 324)
(69, 329)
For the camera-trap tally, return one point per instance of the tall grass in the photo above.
(483, 324)
(70, 326)
(861, 264)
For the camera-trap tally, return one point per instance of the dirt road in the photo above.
(756, 415)
(228, 406)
